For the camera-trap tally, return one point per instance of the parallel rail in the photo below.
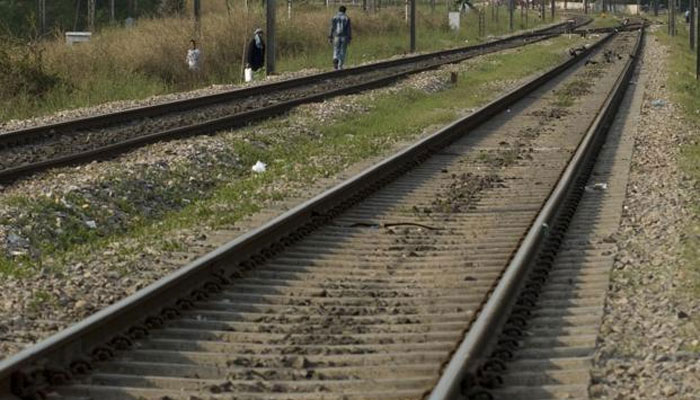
(435, 59)
(461, 373)
(71, 352)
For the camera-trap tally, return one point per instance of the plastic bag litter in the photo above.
(658, 103)
(597, 187)
(259, 167)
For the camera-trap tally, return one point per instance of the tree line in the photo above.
(34, 18)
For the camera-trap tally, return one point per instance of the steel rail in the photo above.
(492, 316)
(53, 359)
(23, 135)
(10, 174)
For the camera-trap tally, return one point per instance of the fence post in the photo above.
(91, 15)
(197, 18)
(691, 26)
(510, 14)
(41, 16)
(270, 11)
(413, 26)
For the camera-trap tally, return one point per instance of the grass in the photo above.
(604, 20)
(685, 90)
(147, 60)
(295, 159)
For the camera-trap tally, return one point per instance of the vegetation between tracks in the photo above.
(217, 189)
(686, 92)
(120, 64)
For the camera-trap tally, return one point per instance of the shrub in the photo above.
(22, 70)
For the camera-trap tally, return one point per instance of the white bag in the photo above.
(248, 74)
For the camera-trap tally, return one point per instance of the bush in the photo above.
(22, 70)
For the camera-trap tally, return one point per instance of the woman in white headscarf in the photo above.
(255, 57)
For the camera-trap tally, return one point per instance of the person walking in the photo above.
(340, 37)
(193, 57)
(255, 56)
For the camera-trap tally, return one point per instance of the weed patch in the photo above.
(215, 188)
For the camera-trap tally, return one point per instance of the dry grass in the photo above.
(149, 58)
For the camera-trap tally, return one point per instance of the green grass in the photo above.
(604, 20)
(295, 159)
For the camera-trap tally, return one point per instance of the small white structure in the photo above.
(453, 17)
(77, 37)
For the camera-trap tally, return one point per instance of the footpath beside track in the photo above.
(368, 289)
(31, 150)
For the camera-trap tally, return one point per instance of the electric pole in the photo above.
(197, 18)
(553, 6)
(91, 15)
(672, 18)
(41, 15)
(691, 30)
(413, 26)
(111, 11)
(511, 4)
(697, 49)
(542, 10)
(270, 13)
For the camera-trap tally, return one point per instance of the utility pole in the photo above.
(542, 10)
(41, 15)
(111, 11)
(511, 6)
(672, 18)
(585, 6)
(91, 15)
(197, 18)
(697, 48)
(691, 30)
(553, 7)
(270, 13)
(413, 26)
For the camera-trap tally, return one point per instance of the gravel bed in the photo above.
(121, 105)
(65, 291)
(114, 106)
(648, 345)
(84, 140)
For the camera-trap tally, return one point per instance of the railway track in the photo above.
(34, 149)
(389, 286)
